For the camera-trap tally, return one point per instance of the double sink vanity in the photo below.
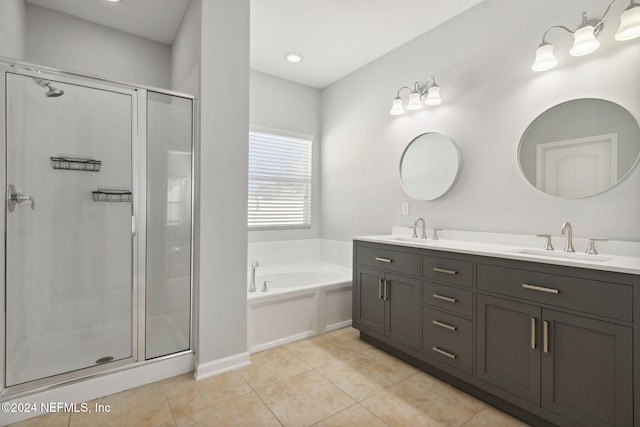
(550, 336)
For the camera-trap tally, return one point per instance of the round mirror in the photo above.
(579, 148)
(429, 166)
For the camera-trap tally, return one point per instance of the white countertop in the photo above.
(510, 247)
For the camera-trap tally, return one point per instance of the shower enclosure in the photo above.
(98, 225)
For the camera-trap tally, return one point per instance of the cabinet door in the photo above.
(368, 304)
(508, 339)
(403, 310)
(587, 370)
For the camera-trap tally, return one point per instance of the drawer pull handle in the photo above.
(445, 325)
(545, 347)
(386, 286)
(541, 289)
(533, 333)
(445, 271)
(380, 288)
(384, 259)
(443, 298)
(444, 353)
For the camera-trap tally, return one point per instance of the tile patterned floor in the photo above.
(333, 379)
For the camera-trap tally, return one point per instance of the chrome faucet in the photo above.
(415, 228)
(566, 229)
(265, 288)
(252, 285)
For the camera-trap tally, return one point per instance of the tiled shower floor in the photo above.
(333, 379)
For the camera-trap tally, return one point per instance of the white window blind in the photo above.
(279, 182)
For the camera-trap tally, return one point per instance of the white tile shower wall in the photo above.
(72, 257)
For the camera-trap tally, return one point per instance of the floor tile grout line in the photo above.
(335, 413)
(269, 408)
(173, 417)
(369, 411)
(277, 381)
(261, 400)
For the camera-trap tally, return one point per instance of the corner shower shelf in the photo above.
(101, 195)
(70, 163)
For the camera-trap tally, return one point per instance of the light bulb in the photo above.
(293, 57)
(396, 108)
(414, 101)
(629, 23)
(545, 60)
(584, 41)
(433, 96)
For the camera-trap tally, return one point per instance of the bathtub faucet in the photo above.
(265, 288)
(252, 285)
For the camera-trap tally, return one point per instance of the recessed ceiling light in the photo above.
(115, 1)
(293, 57)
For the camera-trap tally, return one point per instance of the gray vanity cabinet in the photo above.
(582, 370)
(577, 366)
(368, 306)
(384, 302)
(587, 371)
(508, 354)
(550, 344)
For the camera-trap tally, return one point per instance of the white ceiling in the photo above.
(335, 37)
(152, 19)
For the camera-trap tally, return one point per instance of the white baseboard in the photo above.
(338, 325)
(219, 366)
(282, 341)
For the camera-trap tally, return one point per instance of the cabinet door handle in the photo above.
(445, 325)
(533, 333)
(444, 353)
(384, 259)
(541, 288)
(386, 285)
(445, 271)
(443, 298)
(545, 348)
(379, 288)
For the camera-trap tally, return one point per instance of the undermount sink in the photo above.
(416, 240)
(561, 255)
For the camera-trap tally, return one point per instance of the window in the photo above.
(279, 181)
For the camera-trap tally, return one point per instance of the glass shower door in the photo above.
(69, 264)
(169, 186)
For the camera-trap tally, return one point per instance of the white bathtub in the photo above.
(303, 300)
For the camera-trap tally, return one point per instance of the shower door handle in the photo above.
(14, 198)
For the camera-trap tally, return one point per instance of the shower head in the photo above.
(52, 92)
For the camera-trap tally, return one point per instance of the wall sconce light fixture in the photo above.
(585, 36)
(429, 92)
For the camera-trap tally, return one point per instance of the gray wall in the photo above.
(12, 29)
(185, 51)
(482, 61)
(222, 301)
(284, 105)
(62, 41)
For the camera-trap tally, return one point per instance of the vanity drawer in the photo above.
(595, 297)
(388, 259)
(448, 298)
(447, 338)
(447, 270)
